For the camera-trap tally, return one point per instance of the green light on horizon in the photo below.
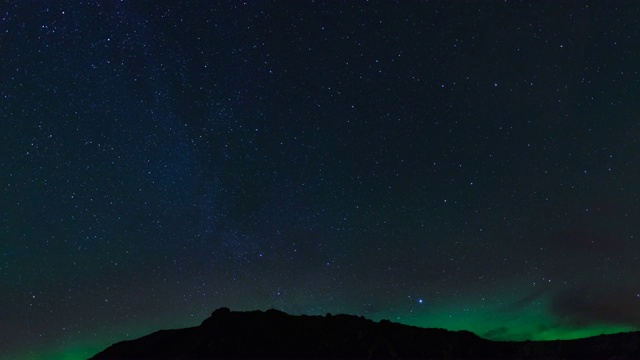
(531, 324)
(80, 352)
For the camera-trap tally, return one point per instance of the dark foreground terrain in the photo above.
(274, 334)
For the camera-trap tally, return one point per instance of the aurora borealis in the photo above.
(464, 165)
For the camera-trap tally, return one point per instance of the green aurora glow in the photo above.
(534, 324)
(481, 324)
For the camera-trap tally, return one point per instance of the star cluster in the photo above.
(465, 165)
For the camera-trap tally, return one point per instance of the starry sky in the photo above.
(464, 165)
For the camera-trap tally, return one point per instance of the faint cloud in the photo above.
(592, 304)
(496, 333)
(525, 301)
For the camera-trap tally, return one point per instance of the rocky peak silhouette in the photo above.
(275, 334)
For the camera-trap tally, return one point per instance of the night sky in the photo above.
(464, 165)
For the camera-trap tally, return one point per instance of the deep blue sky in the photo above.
(467, 165)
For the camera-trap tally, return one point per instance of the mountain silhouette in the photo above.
(275, 334)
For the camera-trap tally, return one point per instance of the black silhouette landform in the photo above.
(275, 334)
